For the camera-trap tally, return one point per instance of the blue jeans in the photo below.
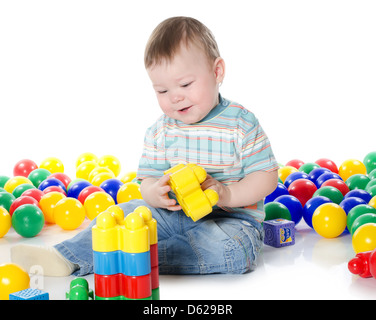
(221, 242)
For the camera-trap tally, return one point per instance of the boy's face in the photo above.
(187, 86)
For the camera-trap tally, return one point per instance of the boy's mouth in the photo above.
(185, 109)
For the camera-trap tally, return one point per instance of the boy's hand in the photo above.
(155, 192)
(223, 191)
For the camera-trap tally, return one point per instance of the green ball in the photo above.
(370, 161)
(372, 174)
(330, 192)
(6, 200)
(38, 175)
(356, 212)
(308, 167)
(19, 190)
(363, 219)
(3, 181)
(276, 210)
(357, 181)
(28, 220)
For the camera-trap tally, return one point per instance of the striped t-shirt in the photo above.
(228, 143)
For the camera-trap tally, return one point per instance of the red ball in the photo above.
(88, 191)
(24, 167)
(326, 163)
(338, 184)
(302, 189)
(54, 188)
(34, 193)
(21, 201)
(296, 163)
(62, 177)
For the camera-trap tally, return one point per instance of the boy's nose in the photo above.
(176, 98)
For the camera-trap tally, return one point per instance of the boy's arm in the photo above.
(155, 193)
(251, 189)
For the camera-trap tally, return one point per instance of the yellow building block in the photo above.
(114, 232)
(150, 222)
(185, 182)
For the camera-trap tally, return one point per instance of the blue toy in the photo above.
(29, 294)
(279, 233)
(294, 206)
(310, 207)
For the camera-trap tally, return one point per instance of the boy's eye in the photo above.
(186, 84)
(162, 91)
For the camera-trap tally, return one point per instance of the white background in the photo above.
(72, 78)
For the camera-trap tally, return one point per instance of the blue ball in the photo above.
(279, 191)
(359, 193)
(310, 207)
(295, 176)
(326, 176)
(294, 206)
(315, 173)
(77, 187)
(112, 186)
(49, 182)
(350, 202)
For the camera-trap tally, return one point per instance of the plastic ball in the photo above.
(34, 193)
(327, 163)
(86, 156)
(359, 193)
(295, 176)
(364, 238)
(330, 192)
(88, 191)
(370, 161)
(49, 182)
(28, 220)
(76, 187)
(96, 203)
(357, 181)
(356, 212)
(38, 175)
(24, 167)
(326, 176)
(308, 167)
(348, 203)
(19, 190)
(6, 200)
(112, 186)
(296, 163)
(329, 220)
(302, 189)
(12, 279)
(293, 205)
(62, 177)
(110, 162)
(128, 177)
(369, 185)
(14, 182)
(363, 219)
(338, 184)
(84, 169)
(280, 190)
(53, 189)
(52, 164)
(371, 175)
(99, 170)
(101, 177)
(128, 191)
(3, 181)
(372, 202)
(351, 167)
(311, 206)
(69, 213)
(372, 190)
(285, 171)
(316, 173)
(276, 210)
(48, 202)
(21, 201)
(5, 222)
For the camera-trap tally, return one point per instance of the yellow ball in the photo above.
(128, 177)
(110, 162)
(12, 279)
(364, 238)
(52, 164)
(99, 170)
(96, 203)
(48, 202)
(5, 222)
(101, 177)
(85, 168)
(128, 191)
(284, 172)
(87, 156)
(329, 220)
(351, 167)
(372, 202)
(69, 213)
(14, 182)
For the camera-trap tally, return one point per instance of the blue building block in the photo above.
(114, 262)
(29, 294)
(279, 233)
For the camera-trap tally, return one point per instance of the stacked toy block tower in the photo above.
(126, 255)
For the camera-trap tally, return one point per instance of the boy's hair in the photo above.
(166, 38)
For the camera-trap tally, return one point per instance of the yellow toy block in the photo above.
(150, 222)
(185, 182)
(114, 232)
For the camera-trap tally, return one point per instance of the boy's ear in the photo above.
(219, 69)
